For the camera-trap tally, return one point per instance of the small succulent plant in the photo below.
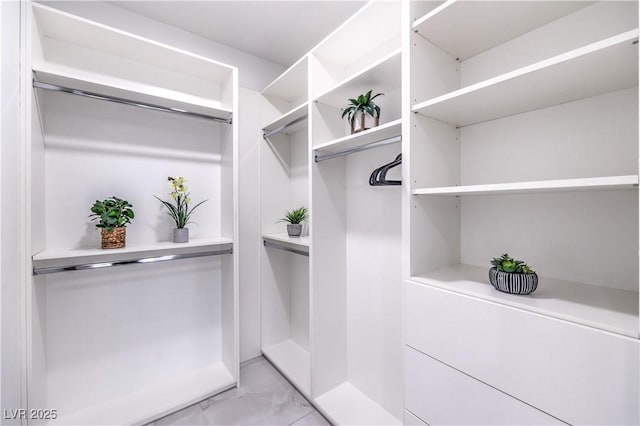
(506, 263)
(295, 216)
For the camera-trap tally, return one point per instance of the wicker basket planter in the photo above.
(514, 283)
(114, 238)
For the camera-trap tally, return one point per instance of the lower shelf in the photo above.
(157, 401)
(294, 363)
(346, 405)
(604, 308)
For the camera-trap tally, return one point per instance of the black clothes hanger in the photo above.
(379, 175)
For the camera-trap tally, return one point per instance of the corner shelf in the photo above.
(605, 66)
(294, 363)
(599, 307)
(347, 405)
(156, 401)
(64, 258)
(490, 23)
(559, 185)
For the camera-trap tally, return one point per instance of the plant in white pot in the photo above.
(179, 209)
(294, 219)
(512, 276)
(113, 215)
(362, 110)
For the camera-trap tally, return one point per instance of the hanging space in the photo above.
(127, 335)
(284, 260)
(526, 144)
(356, 228)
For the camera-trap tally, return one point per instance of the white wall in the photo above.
(10, 178)
(254, 74)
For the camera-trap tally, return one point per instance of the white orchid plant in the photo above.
(179, 209)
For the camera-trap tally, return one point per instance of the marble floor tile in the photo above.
(312, 419)
(264, 397)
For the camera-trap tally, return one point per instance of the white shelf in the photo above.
(293, 361)
(157, 401)
(606, 66)
(341, 47)
(66, 257)
(384, 131)
(346, 405)
(290, 85)
(382, 76)
(105, 58)
(599, 307)
(465, 28)
(294, 114)
(583, 184)
(139, 92)
(300, 243)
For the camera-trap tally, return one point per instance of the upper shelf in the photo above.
(582, 184)
(56, 260)
(71, 47)
(598, 68)
(465, 28)
(137, 93)
(292, 84)
(595, 306)
(383, 75)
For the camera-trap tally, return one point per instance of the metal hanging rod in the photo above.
(285, 248)
(100, 265)
(284, 126)
(375, 144)
(108, 98)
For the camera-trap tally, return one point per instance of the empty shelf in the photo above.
(606, 66)
(604, 308)
(293, 361)
(347, 405)
(583, 184)
(157, 401)
(465, 28)
(291, 122)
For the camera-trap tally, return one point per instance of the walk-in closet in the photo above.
(384, 212)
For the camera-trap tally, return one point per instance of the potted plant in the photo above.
(113, 215)
(359, 109)
(294, 219)
(179, 210)
(512, 276)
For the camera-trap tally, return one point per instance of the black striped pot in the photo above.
(511, 282)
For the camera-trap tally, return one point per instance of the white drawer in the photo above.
(574, 373)
(441, 395)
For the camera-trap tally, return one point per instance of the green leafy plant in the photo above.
(506, 263)
(362, 103)
(112, 213)
(179, 209)
(295, 216)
